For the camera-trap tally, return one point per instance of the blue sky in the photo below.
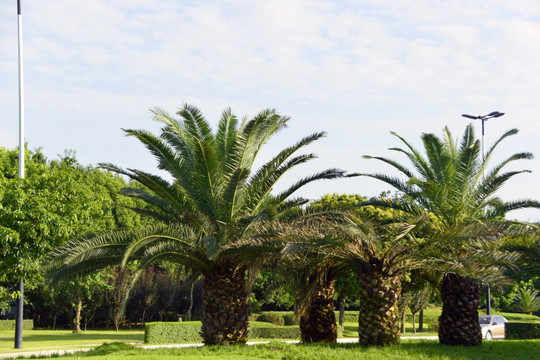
(356, 69)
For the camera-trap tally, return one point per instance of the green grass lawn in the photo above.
(65, 339)
(417, 350)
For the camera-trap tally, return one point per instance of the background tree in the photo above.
(57, 200)
(451, 183)
(117, 294)
(402, 304)
(145, 293)
(273, 290)
(418, 300)
(346, 286)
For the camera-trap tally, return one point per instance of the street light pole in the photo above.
(20, 300)
(484, 118)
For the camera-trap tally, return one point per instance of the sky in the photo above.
(355, 69)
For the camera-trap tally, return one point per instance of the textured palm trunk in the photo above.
(458, 324)
(318, 323)
(225, 308)
(378, 321)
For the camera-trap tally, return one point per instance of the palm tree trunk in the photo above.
(225, 307)
(318, 323)
(458, 324)
(378, 320)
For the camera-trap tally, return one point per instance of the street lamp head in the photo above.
(495, 114)
(491, 115)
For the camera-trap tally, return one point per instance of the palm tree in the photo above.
(213, 199)
(319, 249)
(295, 244)
(380, 254)
(451, 183)
(527, 301)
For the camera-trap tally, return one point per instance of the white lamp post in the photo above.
(20, 300)
(485, 118)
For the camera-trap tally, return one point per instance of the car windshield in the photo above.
(484, 320)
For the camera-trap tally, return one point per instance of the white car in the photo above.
(492, 326)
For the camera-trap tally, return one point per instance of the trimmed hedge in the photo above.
(521, 330)
(28, 324)
(269, 331)
(172, 332)
(272, 317)
(188, 332)
(349, 316)
(290, 320)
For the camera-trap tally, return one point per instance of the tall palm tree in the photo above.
(452, 183)
(213, 199)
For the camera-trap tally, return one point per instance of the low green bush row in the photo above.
(172, 332)
(275, 332)
(290, 320)
(517, 317)
(28, 324)
(522, 330)
(272, 317)
(188, 332)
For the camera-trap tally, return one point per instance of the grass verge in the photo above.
(418, 350)
(34, 340)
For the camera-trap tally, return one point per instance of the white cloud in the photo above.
(355, 68)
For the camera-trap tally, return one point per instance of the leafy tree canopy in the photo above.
(57, 200)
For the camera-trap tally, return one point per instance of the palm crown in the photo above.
(451, 180)
(213, 190)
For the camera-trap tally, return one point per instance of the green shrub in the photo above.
(349, 316)
(110, 348)
(522, 330)
(253, 317)
(290, 320)
(434, 326)
(28, 324)
(188, 332)
(517, 317)
(172, 332)
(272, 317)
(274, 332)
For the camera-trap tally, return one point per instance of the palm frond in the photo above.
(326, 174)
